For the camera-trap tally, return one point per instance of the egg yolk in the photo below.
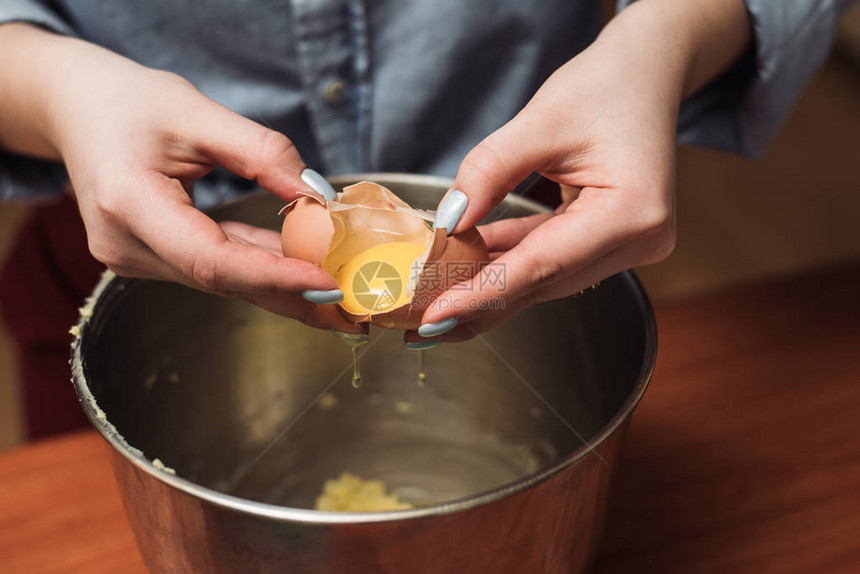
(376, 280)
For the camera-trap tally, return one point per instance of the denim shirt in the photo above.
(404, 85)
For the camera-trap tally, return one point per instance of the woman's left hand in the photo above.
(604, 127)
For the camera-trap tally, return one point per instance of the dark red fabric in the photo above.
(43, 283)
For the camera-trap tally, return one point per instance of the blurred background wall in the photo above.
(795, 209)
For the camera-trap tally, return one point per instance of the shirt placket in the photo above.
(332, 48)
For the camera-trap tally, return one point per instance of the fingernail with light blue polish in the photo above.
(422, 345)
(323, 297)
(451, 210)
(319, 184)
(433, 329)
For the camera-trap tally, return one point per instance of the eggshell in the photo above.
(309, 233)
(370, 194)
(307, 230)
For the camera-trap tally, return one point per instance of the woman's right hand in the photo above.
(134, 140)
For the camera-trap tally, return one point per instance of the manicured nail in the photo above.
(319, 184)
(433, 329)
(451, 210)
(350, 339)
(323, 297)
(422, 345)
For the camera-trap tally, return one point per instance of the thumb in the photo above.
(256, 152)
(489, 172)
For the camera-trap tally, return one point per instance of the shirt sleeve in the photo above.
(742, 110)
(22, 177)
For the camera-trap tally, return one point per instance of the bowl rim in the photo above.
(110, 284)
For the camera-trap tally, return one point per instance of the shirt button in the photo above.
(335, 91)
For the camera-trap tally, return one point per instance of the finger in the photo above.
(144, 264)
(596, 224)
(319, 316)
(625, 257)
(126, 255)
(245, 234)
(506, 234)
(588, 277)
(255, 152)
(492, 169)
(141, 263)
(465, 331)
(190, 242)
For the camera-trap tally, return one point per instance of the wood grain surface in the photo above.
(743, 457)
(60, 511)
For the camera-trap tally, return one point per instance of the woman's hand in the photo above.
(603, 126)
(134, 140)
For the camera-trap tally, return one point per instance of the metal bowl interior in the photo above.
(228, 395)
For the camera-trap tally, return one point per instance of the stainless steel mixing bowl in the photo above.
(507, 452)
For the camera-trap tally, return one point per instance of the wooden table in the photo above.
(743, 457)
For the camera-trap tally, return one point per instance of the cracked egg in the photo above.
(384, 255)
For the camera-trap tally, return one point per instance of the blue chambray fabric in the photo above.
(402, 85)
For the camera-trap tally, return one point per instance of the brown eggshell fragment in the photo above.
(307, 231)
